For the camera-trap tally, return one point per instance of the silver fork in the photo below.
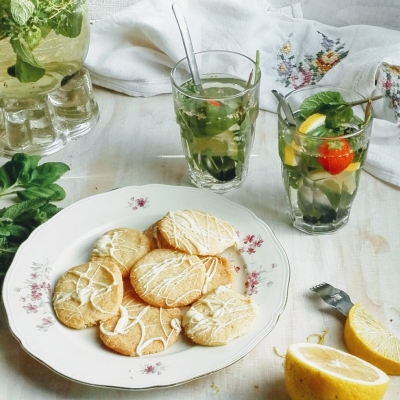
(336, 298)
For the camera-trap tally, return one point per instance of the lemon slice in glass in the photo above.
(314, 121)
(316, 372)
(223, 144)
(353, 167)
(368, 339)
(290, 157)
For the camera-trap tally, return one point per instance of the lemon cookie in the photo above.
(156, 239)
(219, 317)
(219, 271)
(197, 232)
(141, 329)
(168, 278)
(87, 294)
(123, 246)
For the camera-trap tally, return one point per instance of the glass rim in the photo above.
(317, 138)
(199, 96)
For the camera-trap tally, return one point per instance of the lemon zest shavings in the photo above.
(276, 351)
(321, 337)
(215, 387)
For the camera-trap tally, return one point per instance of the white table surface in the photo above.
(137, 142)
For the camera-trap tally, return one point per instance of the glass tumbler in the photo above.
(321, 169)
(217, 122)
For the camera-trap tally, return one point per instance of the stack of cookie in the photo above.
(136, 285)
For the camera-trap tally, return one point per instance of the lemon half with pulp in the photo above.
(318, 372)
(369, 339)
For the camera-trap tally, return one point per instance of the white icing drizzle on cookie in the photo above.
(212, 264)
(110, 243)
(87, 287)
(127, 321)
(103, 247)
(176, 325)
(164, 288)
(188, 231)
(217, 315)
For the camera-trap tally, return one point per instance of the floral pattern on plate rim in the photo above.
(36, 294)
(138, 202)
(256, 275)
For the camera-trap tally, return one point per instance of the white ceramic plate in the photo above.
(67, 239)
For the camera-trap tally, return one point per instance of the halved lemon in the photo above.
(314, 121)
(318, 372)
(223, 144)
(367, 338)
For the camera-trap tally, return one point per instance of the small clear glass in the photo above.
(217, 126)
(320, 201)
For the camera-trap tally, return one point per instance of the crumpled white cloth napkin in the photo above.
(133, 51)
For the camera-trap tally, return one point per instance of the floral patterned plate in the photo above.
(67, 239)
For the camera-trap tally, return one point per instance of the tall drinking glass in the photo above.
(217, 125)
(322, 157)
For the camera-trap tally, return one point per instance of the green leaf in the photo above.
(23, 167)
(21, 10)
(4, 232)
(53, 192)
(6, 176)
(33, 37)
(7, 252)
(71, 26)
(207, 120)
(35, 217)
(25, 72)
(16, 210)
(319, 101)
(44, 213)
(49, 172)
(27, 68)
(17, 231)
(338, 116)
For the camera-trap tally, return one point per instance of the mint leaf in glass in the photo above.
(21, 10)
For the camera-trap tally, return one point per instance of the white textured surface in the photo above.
(384, 13)
(101, 8)
(136, 143)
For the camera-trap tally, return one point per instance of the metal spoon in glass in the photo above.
(187, 43)
(285, 107)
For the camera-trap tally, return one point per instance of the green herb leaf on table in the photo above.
(22, 176)
(34, 188)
